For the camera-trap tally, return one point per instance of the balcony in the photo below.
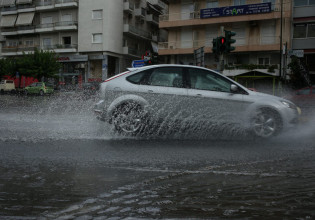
(9, 10)
(131, 52)
(188, 47)
(128, 7)
(66, 25)
(133, 31)
(193, 19)
(59, 26)
(140, 13)
(66, 3)
(59, 48)
(9, 31)
(47, 5)
(153, 19)
(26, 29)
(158, 3)
(26, 8)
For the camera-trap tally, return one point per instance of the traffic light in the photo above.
(215, 48)
(229, 41)
(222, 44)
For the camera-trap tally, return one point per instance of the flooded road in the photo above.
(58, 162)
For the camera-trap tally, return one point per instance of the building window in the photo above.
(47, 43)
(273, 2)
(66, 17)
(304, 2)
(47, 20)
(299, 31)
(212, 4)
(97, 38)
(311, 30)
(97, 14)
(239, 2)
(263, 61)
(29, 43)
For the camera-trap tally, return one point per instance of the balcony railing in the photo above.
(32, 48)
(135, 31)
(183, 44)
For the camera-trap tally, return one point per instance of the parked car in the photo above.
(39, 88)
(7, 86)
(132, 100)
(305, 98)
(90, 88)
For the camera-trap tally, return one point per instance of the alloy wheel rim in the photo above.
(128, 123)
(264, 125)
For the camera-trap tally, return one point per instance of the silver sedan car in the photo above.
(188, 95)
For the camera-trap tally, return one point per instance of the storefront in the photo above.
(73, 71)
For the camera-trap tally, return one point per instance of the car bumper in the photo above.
(99, 110)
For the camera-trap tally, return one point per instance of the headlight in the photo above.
(288, 104)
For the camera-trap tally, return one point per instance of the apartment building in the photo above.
(93, 39)
(192, 24)
(304, 33)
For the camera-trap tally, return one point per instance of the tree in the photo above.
(7, 67)
(39, 64)
(296, 78)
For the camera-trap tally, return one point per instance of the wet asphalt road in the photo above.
(58, 162)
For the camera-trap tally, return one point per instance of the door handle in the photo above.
(150, 91)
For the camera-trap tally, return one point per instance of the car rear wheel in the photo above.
(266, 123)
(25, 92)
(41, 92)
(128, 118)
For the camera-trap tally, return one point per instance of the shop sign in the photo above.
(236, 10)
(75, 58)
(97, 57)
(297, 53)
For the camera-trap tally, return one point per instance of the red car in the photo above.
(305, 98)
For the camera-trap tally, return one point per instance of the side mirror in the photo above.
(234, 88)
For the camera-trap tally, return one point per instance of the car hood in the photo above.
(267, 96)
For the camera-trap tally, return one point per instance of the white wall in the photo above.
(111, 26)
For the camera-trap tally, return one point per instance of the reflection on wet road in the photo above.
(57, 161)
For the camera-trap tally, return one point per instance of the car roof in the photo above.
(166, 65)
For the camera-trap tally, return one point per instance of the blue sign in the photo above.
(236, 10)
(138, 63)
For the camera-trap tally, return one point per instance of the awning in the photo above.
(19, 2)
(8, 20)
(155, 47)
(7, 2)
(25, 18)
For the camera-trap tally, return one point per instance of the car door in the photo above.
(164, 90)
(32, 88)
(211, 98)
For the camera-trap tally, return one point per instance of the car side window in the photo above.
(207, 80)
(304, 92)
(168, 77)
(136, 78)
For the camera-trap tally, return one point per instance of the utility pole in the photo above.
(281, 17)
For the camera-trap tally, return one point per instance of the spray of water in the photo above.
(70, 116)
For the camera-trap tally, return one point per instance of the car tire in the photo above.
(41, 92)
(266, 123)
(129, 119)
(25, 92)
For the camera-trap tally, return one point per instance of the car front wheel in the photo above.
(266, 123)
(128, 118)
(41, 92)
